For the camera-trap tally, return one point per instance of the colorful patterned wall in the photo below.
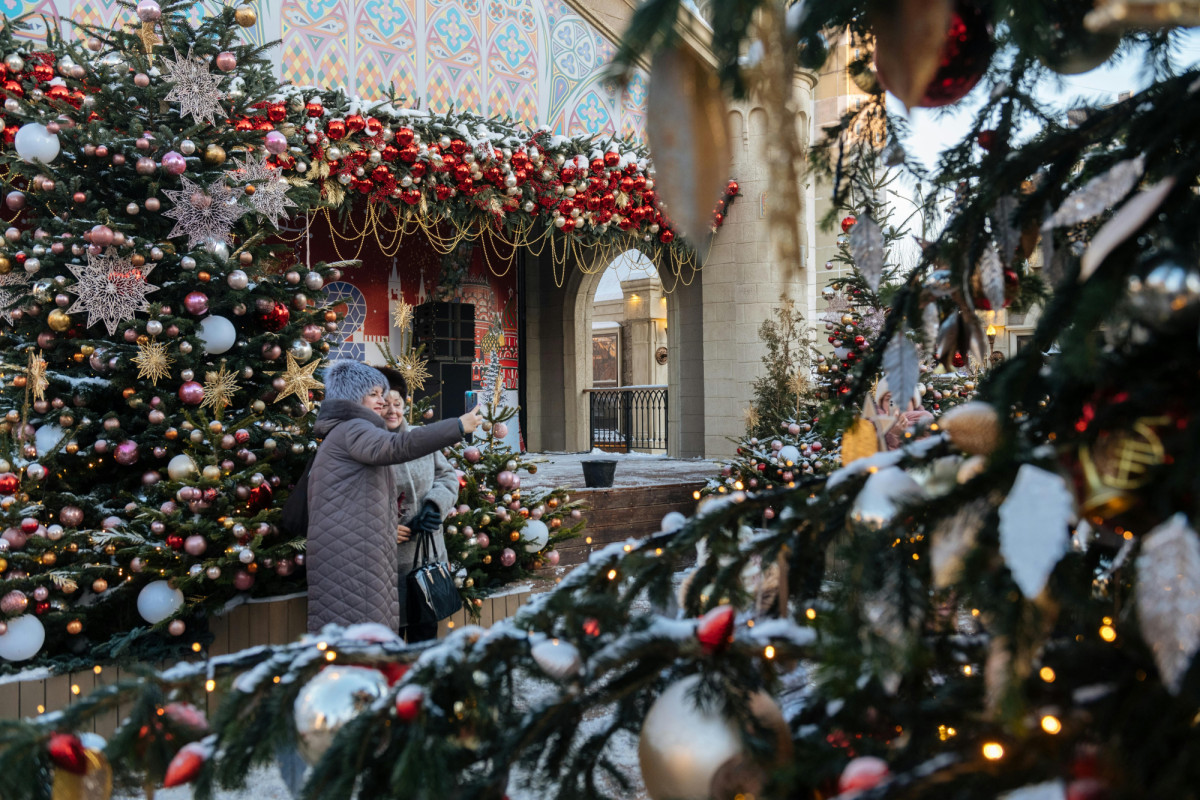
(535, 60)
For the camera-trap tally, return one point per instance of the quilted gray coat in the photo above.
(427, 478)
(352, 513)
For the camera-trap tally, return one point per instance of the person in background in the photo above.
(427, 492)
(894, 421)
(352, 514)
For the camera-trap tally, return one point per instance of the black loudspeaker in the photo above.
(447, 330)
(450, 382)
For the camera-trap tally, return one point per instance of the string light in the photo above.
(96, 669)
(1046, 674)
(612, 574)
(993, 751)
(968, 670)
(811, 613)
(74, 688)
(330, 655)
(210, 685)
(1108, 633)
(1051, 724)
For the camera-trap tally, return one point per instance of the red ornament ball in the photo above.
(175, 541)
(260, 497)
(186, 764)
(986, 139)
(964, 56)
(356, 122)
(848, 223)
(715, 629)
(67, 752)
(313, 108)
(958, 360)
(730, 191)
(277, 318)
(336, 128)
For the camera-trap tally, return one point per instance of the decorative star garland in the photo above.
(110, 288)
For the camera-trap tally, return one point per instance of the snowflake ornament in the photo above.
(269, 192)
(12, 288)
(196, 89)
(110, 288)
(203, 215)
(153, 361)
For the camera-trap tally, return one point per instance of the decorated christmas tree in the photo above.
(1007, 608)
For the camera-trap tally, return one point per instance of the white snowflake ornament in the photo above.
(110, 288)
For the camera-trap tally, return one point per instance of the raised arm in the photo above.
(369, 444)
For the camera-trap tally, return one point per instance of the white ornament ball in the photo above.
(35, 143)
(882, 494)
(180, 467)
(535, 534)
(23, 639)
(217, 333)
(158, 600)
(789, 453)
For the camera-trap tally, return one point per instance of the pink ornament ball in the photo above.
(483, 540)
(276, 143)
(195, 545)
(126, 453)
(15, 201)
(148, 11)
(70, 516)
(500, 430)
(463, 508)
(776, 445)
(862, 773)
(14, 602)
(472, 455)
(136, 564)
(537, 513)
(505, 479)
(102, 235)
(176, 627)
(196, 303)
(508, 557)
(174, 163)
(552, 558)
(284, 568)
(576, 513)
(191, 393)
(769, 514)
(794, 429)
(226, 61)
(15, 538)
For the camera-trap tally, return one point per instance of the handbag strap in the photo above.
(426, 551)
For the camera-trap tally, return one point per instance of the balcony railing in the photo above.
(629, 418)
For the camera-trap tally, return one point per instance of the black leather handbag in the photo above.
(432, 595)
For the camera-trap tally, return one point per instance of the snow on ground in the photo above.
(633, 469)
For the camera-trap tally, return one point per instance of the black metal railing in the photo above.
(629, 418)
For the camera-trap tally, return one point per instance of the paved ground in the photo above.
(633, 469)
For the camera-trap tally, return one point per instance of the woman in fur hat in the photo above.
(352, 513)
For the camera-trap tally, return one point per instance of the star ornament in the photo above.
(196, 89)
(402, 315)
(111, 290)
(298, 380)
(153, 362)
(201, 214)
(414, 370)
(219, 389)
(269, 196)
(36, 371)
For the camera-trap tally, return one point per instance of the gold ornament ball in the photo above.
(245, 16)
(5, 265)
(515, 536)
(99, 585)
(214, 154)
(487, 559)
(486, 425)
(3, 564)
(87, 349)
(72, 448)
(74, 627)
(58, 320)
(847, 319)
(49, 559)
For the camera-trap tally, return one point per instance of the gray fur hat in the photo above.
(349, 380)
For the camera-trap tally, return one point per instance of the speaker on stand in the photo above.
(447, 330)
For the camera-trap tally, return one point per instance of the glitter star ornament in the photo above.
(196, 89)
(12, 288)
(219, 389)
(402, 315)
(153, 362)
(110, 288)
(414, 370)
(203, 215)
(299, 380)
(37, 375)
(269, 197)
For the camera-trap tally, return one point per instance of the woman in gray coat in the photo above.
(427, 492)
(352, 514)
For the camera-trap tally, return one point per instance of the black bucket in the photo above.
(599, 474)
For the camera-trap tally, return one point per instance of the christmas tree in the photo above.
(1007, 608)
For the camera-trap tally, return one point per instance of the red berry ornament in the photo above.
(986, 139)
(715, 629)
(408, 703)
(848, 223)
(862, 773)
(186, 764)
(66, 751)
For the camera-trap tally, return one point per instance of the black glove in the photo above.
(429, 518)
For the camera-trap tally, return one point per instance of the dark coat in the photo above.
(352, 513)
(429, 478)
